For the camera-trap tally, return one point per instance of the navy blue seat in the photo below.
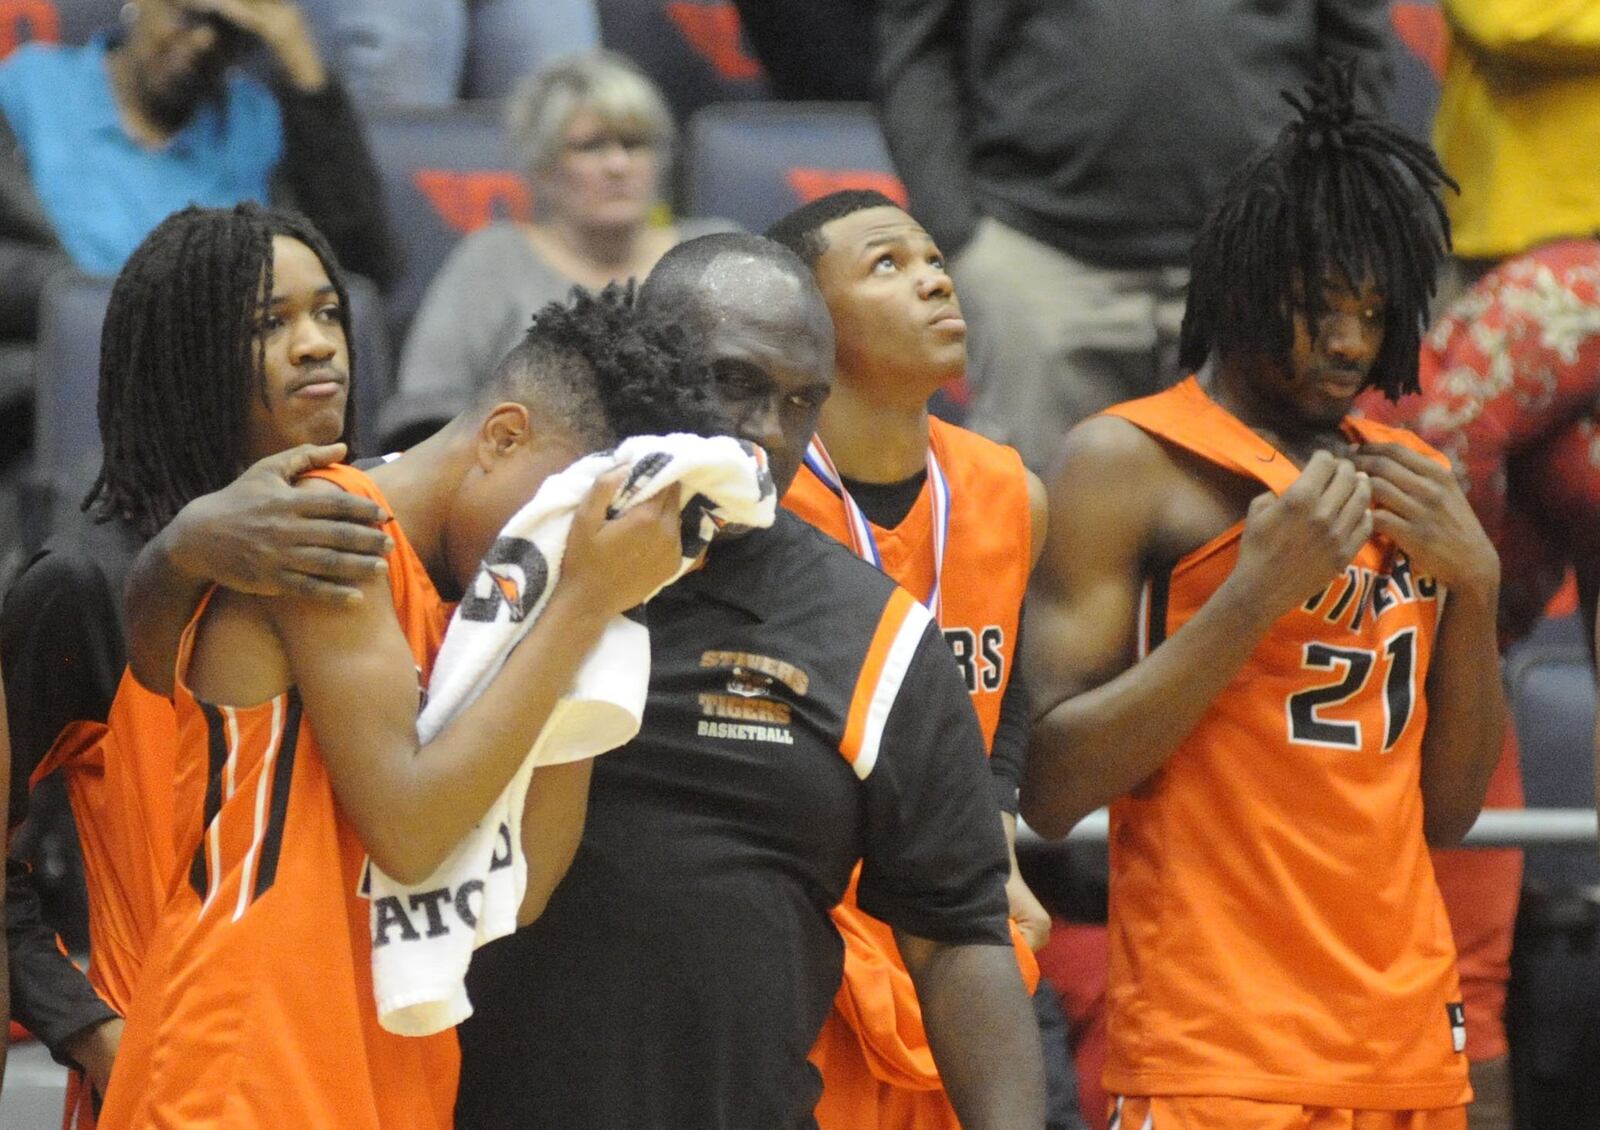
(444, 172)
(1551, 691)
(66, 428)
(754, 162)
(67, 372)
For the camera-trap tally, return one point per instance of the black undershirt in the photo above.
(886, 504)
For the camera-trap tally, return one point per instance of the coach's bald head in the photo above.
(768, 338)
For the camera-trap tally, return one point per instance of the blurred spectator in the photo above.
(595, 137)
(1064, 154)
(99, 143)
(115, 135)
(429, 52)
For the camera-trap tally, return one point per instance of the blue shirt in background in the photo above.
(103, 191)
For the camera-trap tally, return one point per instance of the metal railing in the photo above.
(1495, 827)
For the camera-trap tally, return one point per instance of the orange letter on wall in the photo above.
(809, 184)
(1422, 29)
(467, 201)
(38, 17)
(714, 31)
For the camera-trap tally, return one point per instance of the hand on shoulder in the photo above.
(260, 534)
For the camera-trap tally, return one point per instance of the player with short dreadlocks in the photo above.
(1240, 638)
(1340, 195)
(258, 1003)
(610, 371)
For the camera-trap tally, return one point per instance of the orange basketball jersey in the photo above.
(118, 775)
(255, 1004)
(877, 1068)
(1276, 933)
(987, 562)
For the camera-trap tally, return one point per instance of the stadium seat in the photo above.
(369, 324)
(67, 380)
(66, 429)
(1551, 689)
(753, 162)
(692, 49)
(53, 21)
(444, 172)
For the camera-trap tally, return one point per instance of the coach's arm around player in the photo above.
(256, 535)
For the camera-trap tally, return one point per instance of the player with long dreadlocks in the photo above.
(1245, 647)
(217, 312)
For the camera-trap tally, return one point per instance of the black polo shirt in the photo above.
(685, 965)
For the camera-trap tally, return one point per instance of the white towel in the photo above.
(424, 935)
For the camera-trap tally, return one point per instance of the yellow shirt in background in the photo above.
(1519, 123)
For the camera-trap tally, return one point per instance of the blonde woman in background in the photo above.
(596, 139)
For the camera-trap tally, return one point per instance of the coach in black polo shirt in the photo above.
(803, 713)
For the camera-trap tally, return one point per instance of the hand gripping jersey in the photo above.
(255, 1005)
(1276, 933)
(877, 1068)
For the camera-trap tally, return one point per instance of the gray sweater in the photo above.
(1102, 127)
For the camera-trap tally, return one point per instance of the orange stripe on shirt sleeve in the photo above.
(894, 643)
(894, 614)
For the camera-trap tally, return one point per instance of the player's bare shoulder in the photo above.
(1109, 443)
(1159, 499)
(1111, 471)
(236, 660)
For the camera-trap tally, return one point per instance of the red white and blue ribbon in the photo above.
(862, 540)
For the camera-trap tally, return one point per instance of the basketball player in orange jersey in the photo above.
(298, 759)
(178, 372)
(1264, 631)
(959, 522)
